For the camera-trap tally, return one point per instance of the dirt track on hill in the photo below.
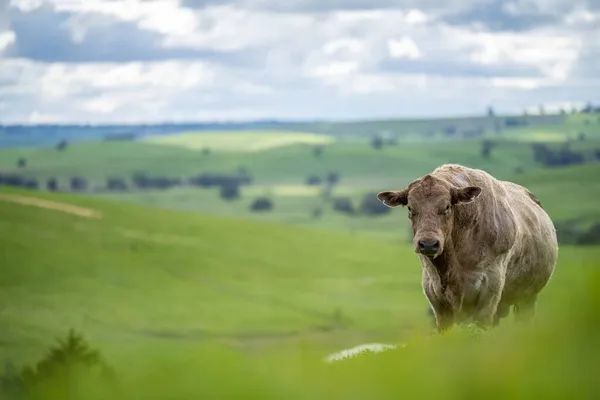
(51, 205)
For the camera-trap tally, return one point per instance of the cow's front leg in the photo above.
(444, 310)
(489, 299)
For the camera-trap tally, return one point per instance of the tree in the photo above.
(372, 206)
(333, 178)
(486, 148)
(376, 142)
(261, 204)
(449, 130)
(52, 185)
(116, 184)
(230, 191)
(78, 183)
(313, 180)
(62, 145)
(22, 162)
(343, 205)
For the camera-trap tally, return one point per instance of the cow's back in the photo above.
(536, 249)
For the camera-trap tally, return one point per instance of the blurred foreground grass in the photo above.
(554, 358)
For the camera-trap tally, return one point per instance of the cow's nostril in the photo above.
(429, 246)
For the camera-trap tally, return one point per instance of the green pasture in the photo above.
(246, 141)
(189, 305)
(355, 162)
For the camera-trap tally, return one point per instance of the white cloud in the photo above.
(335, 63)
(403, 48)
(6, 39)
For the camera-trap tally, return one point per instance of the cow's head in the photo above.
(431, 205)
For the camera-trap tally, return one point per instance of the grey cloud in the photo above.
(327, 5)
(495, 17)
(42, 35)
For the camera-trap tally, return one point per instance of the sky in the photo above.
(142, 61)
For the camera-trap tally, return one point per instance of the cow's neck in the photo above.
(446, 266)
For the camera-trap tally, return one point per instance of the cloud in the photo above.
(109, 60)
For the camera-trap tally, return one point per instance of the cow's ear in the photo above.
(394, 199)
(465, 195)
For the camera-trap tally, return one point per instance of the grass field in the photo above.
(185, 305)
(187, 295)
(280, 172)
(247, 141)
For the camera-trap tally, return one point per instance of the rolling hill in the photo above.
(136, 272)
(164, 293)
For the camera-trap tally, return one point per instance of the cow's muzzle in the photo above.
(428, 247)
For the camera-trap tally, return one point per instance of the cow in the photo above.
(484, 245)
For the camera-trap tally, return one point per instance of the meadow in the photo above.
(185, 305)
(186, 294)
(281, 162)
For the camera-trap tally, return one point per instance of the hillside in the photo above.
(142, 273)
(568, 193)
(163, 294)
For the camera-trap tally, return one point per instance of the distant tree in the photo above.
(209, 179)
(78, 183)
(449, 130)
(12, 180)
(370, 205)
(486, 148)
(22, 162)
(313, 180)
(52, 184)
(31, 183)
(230, 191)
(261, 204)
(597, 154)
(562, 156)
(343, 205)
(376, 142)
(519, 170)
(206, 151)
(589, 108)
(333, 178)
(542, 110)
(513, 122)
(62, 145)
(581, 136)
(591, 236)
(490, 112)
(116, 184)
(318, 151)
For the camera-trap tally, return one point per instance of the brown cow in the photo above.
(484, 244)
